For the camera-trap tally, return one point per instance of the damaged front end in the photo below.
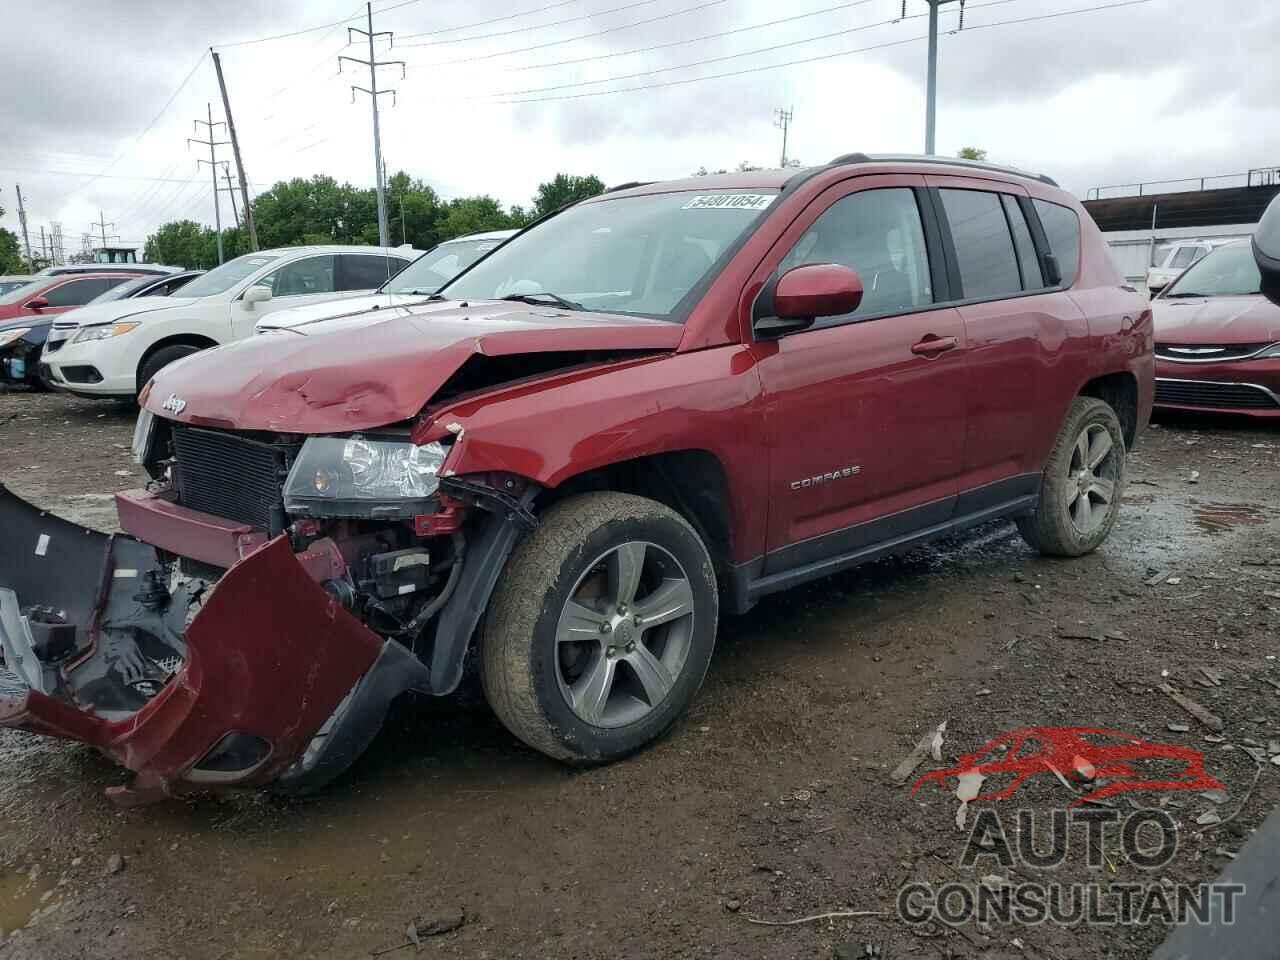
(206, 652)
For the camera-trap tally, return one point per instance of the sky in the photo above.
(499, 95)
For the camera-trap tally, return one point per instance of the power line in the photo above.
(822, 57)
(485, 23)
(535, 26)
(581, 36)
(688, 40)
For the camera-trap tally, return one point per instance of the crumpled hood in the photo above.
(335, 309)
(1217, 320)
(356, 373)
(114, 310)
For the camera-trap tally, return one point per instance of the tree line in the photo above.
(319, 210)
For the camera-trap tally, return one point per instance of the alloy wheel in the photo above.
(1091, 478)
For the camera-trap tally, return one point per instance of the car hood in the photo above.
(355, 373)
(333, 309)
(114, 310)
(1216, 320)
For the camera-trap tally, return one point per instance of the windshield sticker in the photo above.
(730, 201)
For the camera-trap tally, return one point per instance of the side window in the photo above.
(983, 244)
(1184, 257)
(360, 271)
(311, 275)
(1028, 262)
(79, 292)
(1062, 231)
(878, 234)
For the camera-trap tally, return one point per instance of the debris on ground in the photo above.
(967, 788)
(929, 745)
(1208, 818)
(115, 863)
(1159, 578)
(1210, 720)
(1179, 727)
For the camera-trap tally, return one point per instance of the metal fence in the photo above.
(1257, 177)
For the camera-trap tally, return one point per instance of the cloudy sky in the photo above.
(501, 94)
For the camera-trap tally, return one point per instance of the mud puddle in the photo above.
(1221, 517)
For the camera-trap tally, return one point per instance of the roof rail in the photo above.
(924, 158)
(629, 184)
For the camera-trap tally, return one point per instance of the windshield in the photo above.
(223, 278)
(1229, 271)
(635, 255)
(122, 290)
(22, 291)
(437, 267)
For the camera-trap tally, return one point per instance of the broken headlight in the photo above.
(355, 477)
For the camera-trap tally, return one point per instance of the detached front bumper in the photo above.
(260, 685)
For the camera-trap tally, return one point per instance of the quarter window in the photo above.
(310, 275)
(878, 234)
(1062, 231)
(983, 244)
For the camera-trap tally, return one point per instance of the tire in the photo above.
(161, 359)
(544, 690)
(1061, 526)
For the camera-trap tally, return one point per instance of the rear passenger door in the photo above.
(866, 411)
(1022, 332)
(364, 272)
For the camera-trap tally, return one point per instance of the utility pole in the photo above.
(22, 219)
(235, 152)
(44, 251)
(56, 243)
(213, 167)
(102, 225)
(782, 119)
(226, 173)
(373, 92)
(931, 88)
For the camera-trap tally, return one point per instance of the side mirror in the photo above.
(37, 303)
(803, 294)
(258, 293)
(1266, 251)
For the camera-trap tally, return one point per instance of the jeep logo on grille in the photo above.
(174, 404)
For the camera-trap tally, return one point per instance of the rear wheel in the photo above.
(1082, 485)
(161, 359)
(602, 628)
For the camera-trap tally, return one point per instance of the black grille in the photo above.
(1198, 393)
(230, 475)
(1222, 351)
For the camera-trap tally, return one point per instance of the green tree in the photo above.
(414, 212)
(181, 243)
(315, 210)
(11, 260)
(471, 215)
(972, 153)
(563, 189)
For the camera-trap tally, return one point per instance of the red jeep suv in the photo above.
(648, 409)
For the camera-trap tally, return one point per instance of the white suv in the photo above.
(117, 357)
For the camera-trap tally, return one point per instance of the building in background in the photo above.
(1141, 220)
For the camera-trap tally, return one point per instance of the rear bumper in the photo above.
(269, 655)
(1250, 387)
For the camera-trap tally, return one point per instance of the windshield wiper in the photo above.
(537, 298)
(1175, 296)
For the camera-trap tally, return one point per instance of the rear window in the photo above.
(984, 246)
(1062, 231)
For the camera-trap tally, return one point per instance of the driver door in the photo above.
(294, 284)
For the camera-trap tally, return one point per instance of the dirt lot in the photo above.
(772, 800)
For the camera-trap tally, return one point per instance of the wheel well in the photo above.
(1120, 392)
(691, 482)
(177, 340)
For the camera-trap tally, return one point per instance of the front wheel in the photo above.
(161, 359)
(1082, 485)
(602, 628)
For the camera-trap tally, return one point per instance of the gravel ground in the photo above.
(771, 800)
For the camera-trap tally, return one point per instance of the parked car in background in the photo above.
(1218, 338)
(1177, 258)
(660, 404)
(62, 269)
(27, 312)
(152, 285)
(10, 283)
(116, 357)
(420, 279)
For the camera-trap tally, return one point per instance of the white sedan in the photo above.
(116, 357)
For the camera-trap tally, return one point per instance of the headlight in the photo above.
(104, 331)
(143, 431)
(355, 477)
(8, 336)
(1270, 353)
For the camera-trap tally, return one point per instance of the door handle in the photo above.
(932, 345)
